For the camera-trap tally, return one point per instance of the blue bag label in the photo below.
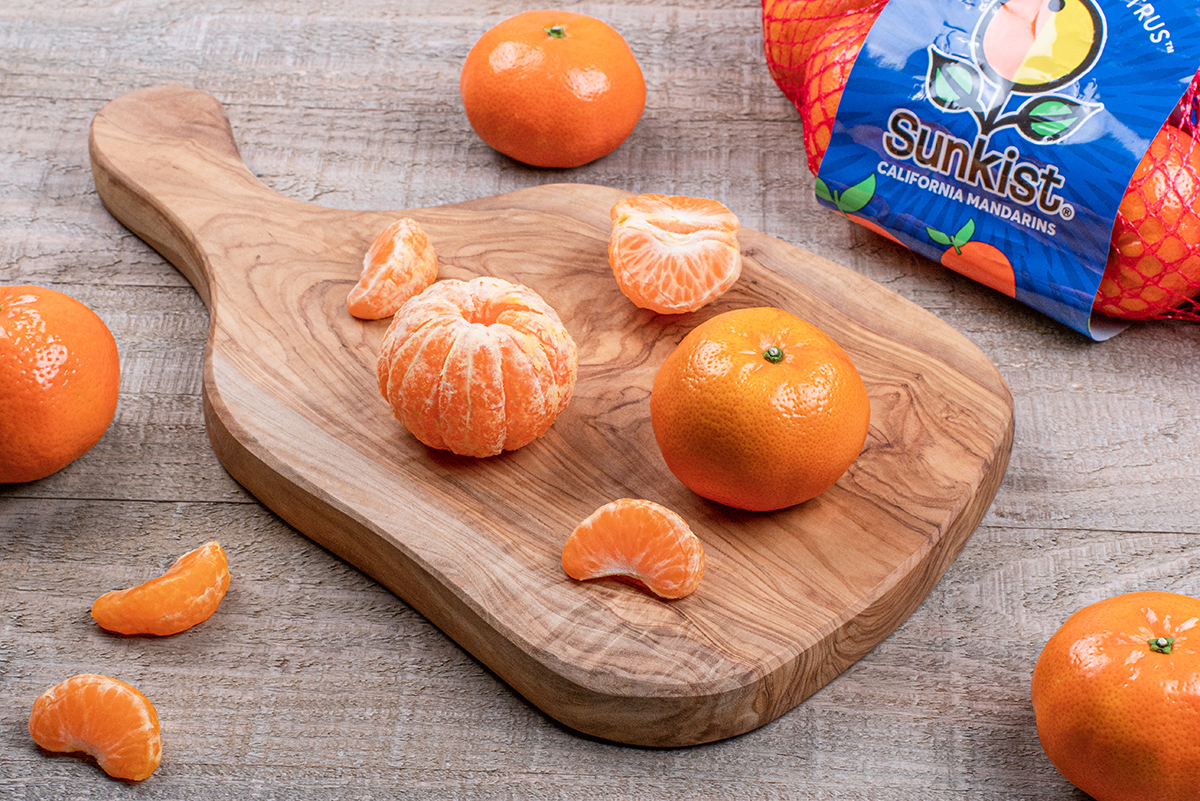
(998, 137)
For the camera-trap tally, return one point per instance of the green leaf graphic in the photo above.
(952, 83)
(937, 236)
(964, 234)
(856, 197)
(823, 191)
(1049, 118)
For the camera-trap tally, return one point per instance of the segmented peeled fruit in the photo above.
(187, 594)
(103, 717)
(638, 540)
(400, 263)
(477, 367)
(673, 254)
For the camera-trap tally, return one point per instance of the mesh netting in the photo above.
(1153, 269)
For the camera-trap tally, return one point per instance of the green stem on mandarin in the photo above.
(1161, 645)
(773, 354)
(556, 32)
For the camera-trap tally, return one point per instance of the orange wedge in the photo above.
(187, 594)
(673, 254)
(101, 716)
(399, 264)
(638, 540)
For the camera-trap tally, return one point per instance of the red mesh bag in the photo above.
(1153, 267)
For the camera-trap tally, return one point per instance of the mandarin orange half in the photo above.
(759, 410)
(477, 367)
(638, 540)
(673, 254)
(103, 717)
(400, 263)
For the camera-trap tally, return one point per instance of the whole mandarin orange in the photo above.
(477, 367)
(831, 58)
(1116, 693)
(1154, 256)
(759, 410)
(59, 380)
(791, 28)
(552, 88)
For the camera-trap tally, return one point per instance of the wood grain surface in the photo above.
(790, 598)
(313, 681)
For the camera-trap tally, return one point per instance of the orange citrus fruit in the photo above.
(552, 88)
(791, 28)
(1154, 256)
(187, 594)
(638, 540)
(59, 380)
(673, 254)
(101, 716)
(476, 367)
(759, 410)
(1116, 694)
(400, 263)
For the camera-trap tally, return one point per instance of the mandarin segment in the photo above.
(60, 377)
(673, 254)
(759, 410)
(187, 594)
(103, 717)
(638, 540)
(400, 263)
(477, 367)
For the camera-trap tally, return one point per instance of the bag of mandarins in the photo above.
(1041, 147)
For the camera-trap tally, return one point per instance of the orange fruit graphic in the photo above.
(673, 254)
(477, 367)
(103, 717)
(759, 410)
(59, 380)
(1154, 257)
(833, 55)
(552, 88)
(1116, 694)
(400, 263)
(984, 263)
(638, 540)
(187, 594)
(1039, 45)
(791, 28)
(979, 261)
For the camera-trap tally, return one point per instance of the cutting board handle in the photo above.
(167, 166)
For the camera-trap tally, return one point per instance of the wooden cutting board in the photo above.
(789, 599)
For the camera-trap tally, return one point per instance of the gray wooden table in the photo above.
(312, 681)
